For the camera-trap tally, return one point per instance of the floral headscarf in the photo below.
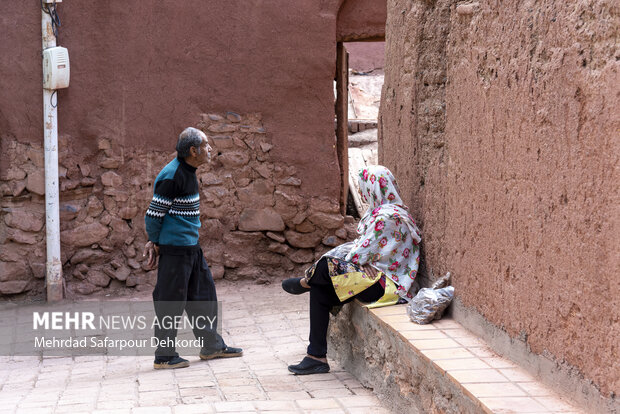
(388, 236)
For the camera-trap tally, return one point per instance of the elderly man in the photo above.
(184, 281)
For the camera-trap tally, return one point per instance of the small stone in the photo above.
(88, 182)
(260, 220)
(88, 256)
(222, 128)
(301, 256)
(222, 141)
(105, 218)
(235, 159)
(13, 287)
(277, 237)
(119, 195)
(94, 206)
(243, 182)
(327, 221)
(111, 179)
(303, 240)
(85, 169)
(305, 227)
(264, 170)
(84, 235)
(13, 173)
(98, 278)
(37, 156)
(240, 240)
(130, 251)
(68, 211)
(23, 220)
(127, 213)
(216, 213)
(286, 198)
(278, 248)
(233, 117)
(133, 263)
(341, 233)
(212, 229)
(38, 270)
(300, 217)
(267, 258)
(467, 9)
(103, 144)
(78, 275)
(215, 117)
(84, 288)
(36, 182)
(349, 220)
(109, 203)
(325, 206)
(122, 273)
(22, 237)
(265, 147)
(331, 241)
(13, 271)
(259, 194)
(217, 271)
(110, 163)
(68, 185)
(292, 181)
(17, 187)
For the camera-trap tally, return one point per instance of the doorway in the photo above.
(358, 84)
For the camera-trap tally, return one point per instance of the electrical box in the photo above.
(55, 68)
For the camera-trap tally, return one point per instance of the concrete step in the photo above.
(435, 368)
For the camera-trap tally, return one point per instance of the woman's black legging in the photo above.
(322, 298)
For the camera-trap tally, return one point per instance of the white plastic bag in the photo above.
(430, 303)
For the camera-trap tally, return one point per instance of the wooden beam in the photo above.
(342, 121)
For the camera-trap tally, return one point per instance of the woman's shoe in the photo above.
(309, 366)
(293, 286)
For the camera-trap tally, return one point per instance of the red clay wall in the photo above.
(361, 20)
(140, 74)
(256, 75)
(501, 122)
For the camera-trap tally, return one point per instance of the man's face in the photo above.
(205, 151)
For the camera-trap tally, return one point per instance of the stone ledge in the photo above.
(440, 367)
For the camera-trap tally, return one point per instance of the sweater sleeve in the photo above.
(165, 192)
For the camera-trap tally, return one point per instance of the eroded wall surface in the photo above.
(500, 120)
(257, 76)
(361, 20)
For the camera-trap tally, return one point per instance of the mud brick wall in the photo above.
(257, 224)
(500, 120)
(140, 75)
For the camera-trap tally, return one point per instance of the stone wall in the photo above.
(256, 222)
(500, 121)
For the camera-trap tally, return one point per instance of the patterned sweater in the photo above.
(173, 217)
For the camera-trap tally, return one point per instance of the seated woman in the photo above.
(379, 266)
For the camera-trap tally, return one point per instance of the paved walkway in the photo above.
(269, 324)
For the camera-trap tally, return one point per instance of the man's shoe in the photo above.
(309, 366)
(176, 362)
(293, 286)
(228, 352)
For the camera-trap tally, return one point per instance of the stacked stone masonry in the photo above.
(256, 222)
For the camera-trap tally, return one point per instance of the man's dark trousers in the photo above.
(184, 282)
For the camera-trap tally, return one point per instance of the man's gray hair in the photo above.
(190, 137)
